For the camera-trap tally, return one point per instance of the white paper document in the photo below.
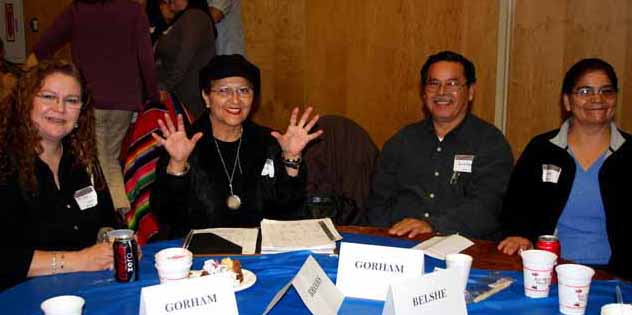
(366, 271)
(440, 246)
(436, 293)
(244, 237)
(317, 235)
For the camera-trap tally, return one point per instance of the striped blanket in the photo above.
(139, 154)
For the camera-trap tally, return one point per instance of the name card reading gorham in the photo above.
(203, 295)
(437, 293)
(366, 271)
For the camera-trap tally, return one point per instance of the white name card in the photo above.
(436, 293)
(317, 291)
(203, 295)
(366, 271)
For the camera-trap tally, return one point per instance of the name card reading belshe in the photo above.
(436, 293)
(203, 295)
(366, 271)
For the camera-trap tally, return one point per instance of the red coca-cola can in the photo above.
(125, 255)
(550, 243)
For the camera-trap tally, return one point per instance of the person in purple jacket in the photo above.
(110, 44)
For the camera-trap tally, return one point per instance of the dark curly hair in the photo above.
(19, 137)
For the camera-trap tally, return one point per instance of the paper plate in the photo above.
(249, 278)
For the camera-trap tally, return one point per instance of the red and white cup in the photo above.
(573, 286)
(537, 266)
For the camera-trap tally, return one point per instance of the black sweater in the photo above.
(532, 207)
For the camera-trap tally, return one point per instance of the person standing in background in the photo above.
(111, 47)
(184, 48)
(226, 15)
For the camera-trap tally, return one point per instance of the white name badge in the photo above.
(86, 198)
(550, 173)
(463, 163)
(203, 295)
(436, 293)
(366, 271)
(317, 291)
(268, 169)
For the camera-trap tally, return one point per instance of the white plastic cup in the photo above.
(177, 255)
(537, 268)
(171, 273)
(173, 264)
(616, 309)
(63, 305)
(461, 263)
(574, 286)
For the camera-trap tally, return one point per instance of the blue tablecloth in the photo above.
(104, 295)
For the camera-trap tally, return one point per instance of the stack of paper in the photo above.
(317, 235)
(440, 246)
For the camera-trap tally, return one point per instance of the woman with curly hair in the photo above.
(53, 196)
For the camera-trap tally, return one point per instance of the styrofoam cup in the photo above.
(174, 255)
(616, 309)
(63, 305)
(537, 267)
(461, 263)
(169, 273)
(574, 286)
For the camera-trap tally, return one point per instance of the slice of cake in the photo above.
(226, 267)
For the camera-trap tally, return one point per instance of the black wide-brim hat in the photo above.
(224, 66)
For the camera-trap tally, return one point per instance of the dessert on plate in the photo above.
(225, 267)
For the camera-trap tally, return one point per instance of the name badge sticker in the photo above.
(463, 163)
(550, 173)
(366, 271)
(86, 197)
(268, 169)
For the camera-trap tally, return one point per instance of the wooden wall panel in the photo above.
(45, 11)
(361, 58)
(546, 43)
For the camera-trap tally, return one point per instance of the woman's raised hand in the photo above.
(297, 135)
(175, 140)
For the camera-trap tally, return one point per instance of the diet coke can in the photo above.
(550, 243)
(125, 255)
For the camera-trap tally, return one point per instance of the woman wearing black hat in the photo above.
(228, 171)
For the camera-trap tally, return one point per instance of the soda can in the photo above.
(550, 243)
(125, 255)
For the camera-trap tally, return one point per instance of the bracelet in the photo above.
(292, 163)
(181, 173)
(53, 264)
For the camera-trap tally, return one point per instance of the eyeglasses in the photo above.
(226, 91)
(450, 86)
(586, 91)
(51, 99)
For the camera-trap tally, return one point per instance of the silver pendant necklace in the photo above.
(233, 201)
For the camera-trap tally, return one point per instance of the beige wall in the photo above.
(361, 58)
(548, 37)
